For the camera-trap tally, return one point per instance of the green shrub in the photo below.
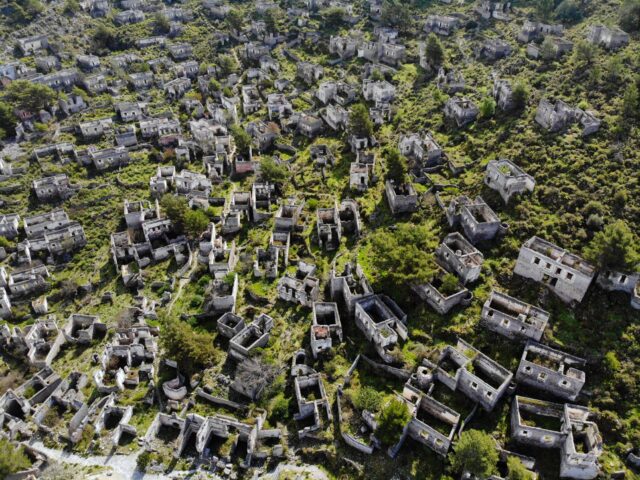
(392, 420)
(368, 399)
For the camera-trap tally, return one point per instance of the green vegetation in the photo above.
(397, 167)
(190, 348)
(402, 257)
(13, 459)
(614, 248)
(475, 452)
(360, 123)
(517, 470)
(272, 171)
(392, 420)
(434, 51)
(630, 16)
(32, 97)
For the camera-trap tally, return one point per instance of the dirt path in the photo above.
(184, 279)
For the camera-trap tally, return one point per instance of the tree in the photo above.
(176, 209)
(520, 95)
(568, 11)
(544, 8)
(25, 95)
(449, 284)
(161, 23)
(584, 53)
(396, 13)
(517, 470)
(548, 49)
(105, 38)
(13, 459)
(402, 257)
(333, 17)
(630, 16)
(434, 51)
(241, 138)
(195, 222)
(614, 248)
(615, 68)
(487, 107)
(71, 7)
(631, 102)
(235, 19)
(190, 348)
(23, 11)
(475, 453)
(376, 75)
(392, 420)
(272, 171)
(360, 123)
(227, 65)
(397, 168)
(7, 120)
(272, 17)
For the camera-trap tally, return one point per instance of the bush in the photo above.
(368, 399)
(487, 107)
(196, 301)
(517, 470)
(392, 420)
(280, 407)
(273, 172)
(13, 458)
(449, 284)
(475, 453)
(143, 461)
(630, 16)
(568, 11)
(520, 95)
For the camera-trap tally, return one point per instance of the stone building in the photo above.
(441, 24)
(551, 370)
(382, 322)
(325, 327)
(457, 255)
(489, 9)
(564, 273)
(460, 111)
(532, 31)
(492, 49)
(513, 318)
(478, 221)
(611, 38)
(613, 281)
(507, 179)
(55, 187)
(422, 148)
(450, 81)
(441, 300)
(559, 116)
(402, 198)
(567, 428)
(465, 369)
(329, 228)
